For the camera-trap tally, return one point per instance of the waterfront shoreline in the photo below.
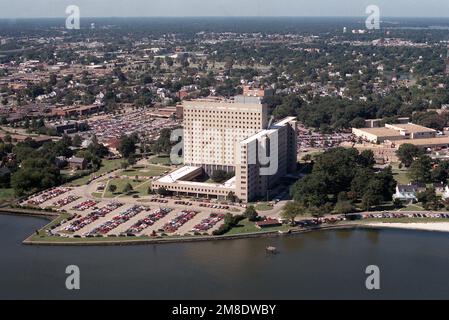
(29, 212)
(268, 234)
(442, 227)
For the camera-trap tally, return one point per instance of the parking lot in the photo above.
(127, 216)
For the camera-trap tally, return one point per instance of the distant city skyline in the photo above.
(234, 8)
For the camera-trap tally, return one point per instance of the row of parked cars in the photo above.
(82, 222)
(159, 200)
(117, 221)
(149, 221)
(401, 215)
(185, 203)
(47, 195)
(85, 205)
(209, 222)
(63, 202)
(181, 219)
(214, 206)
(320, 221)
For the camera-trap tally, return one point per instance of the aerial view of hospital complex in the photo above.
(229, 136)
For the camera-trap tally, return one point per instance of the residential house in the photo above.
(408, 193)
(76, 163)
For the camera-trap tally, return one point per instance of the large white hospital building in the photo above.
(235, 137)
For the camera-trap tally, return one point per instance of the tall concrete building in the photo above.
(212, 131)
(235, 137)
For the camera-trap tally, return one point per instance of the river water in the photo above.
(320, 265)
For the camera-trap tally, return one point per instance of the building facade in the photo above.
(237, 138)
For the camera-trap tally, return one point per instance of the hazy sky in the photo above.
(143, 8)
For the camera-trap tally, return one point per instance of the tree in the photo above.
(359, 183)
(307, 158)
(132, 159)
(97, 148)
(231, 196)
(387, 182)
(163, 143)
(124, 165)
(35, 174)
(311, 190)
(291, 211)
(251, 214)
(128, 188)
(112, 188)
(366, 159)
(370, 199)
(440, 175)
(77, 140)
(344, 207)
(429, 199)
(420, 170)
(127, 146)
(407, 153)
(431, 120)
(358, 123)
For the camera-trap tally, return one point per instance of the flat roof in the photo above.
(178, 174)
(176, 178)
(202, 184)
(425, 142)
(380, 132)
(269, 131)
(413, 127)
(223, 105)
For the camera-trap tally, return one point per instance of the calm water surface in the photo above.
(322, 265)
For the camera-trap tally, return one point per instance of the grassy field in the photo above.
(246, 226)
(401, 175)
(106, 166)
(150, 171)
(140, 187)
(412, 207)
(142, 190)
(263, 207)
(6, 194)
(161, 160)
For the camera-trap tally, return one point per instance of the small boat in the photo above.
(271, 250)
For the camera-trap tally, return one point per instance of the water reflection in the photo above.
(373, 236)
(327, 264)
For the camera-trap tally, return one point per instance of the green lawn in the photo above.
(400, 176)
(143, 189)
(6, 194)
(121, 183)
(106, 166)
(150, 171)
(161, 160)
(412, 207)
(246, 226)
(263, 207)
